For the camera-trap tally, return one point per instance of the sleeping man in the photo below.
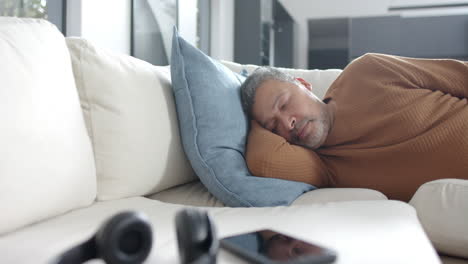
(386, 123)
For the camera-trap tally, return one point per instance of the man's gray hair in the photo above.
(251, 84)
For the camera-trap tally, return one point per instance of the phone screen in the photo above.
(268, 246)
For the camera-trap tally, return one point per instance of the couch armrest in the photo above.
(442, 207)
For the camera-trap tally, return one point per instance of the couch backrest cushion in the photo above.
(130, 115)
(319, 79)
(214, 129)
(46, 159)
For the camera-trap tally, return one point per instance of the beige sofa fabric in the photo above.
(192, 194)
(195, 194)
(362, 232)
(46, 160)
(327, 195)
(130, 115)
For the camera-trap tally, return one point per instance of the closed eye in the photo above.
(283, 102)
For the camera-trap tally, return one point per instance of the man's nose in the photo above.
(288, 123)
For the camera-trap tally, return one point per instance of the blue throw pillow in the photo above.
(214, 127)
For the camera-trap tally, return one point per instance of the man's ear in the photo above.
(305, 83)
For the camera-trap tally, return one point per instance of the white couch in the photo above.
(87, 133)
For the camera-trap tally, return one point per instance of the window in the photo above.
(52, 10)
(24, 8)
(152, 23)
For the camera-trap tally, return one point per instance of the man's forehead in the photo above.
(265, 98)
(273, 84)
(269, 89)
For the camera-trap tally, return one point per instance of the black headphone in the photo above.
(196, 236)
(126, 238)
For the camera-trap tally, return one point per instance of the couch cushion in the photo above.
(442, 207)
(214, 127)
(195, 194)
(328, 195)
(46, 160)
(319, 79)
(192, 193)
(130, 114)
(361, 232)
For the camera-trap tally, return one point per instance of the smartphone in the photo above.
(269, 246)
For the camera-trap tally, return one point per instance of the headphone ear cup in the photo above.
(77, 254)
(196, 237)
(199, 220)
(213, 245)
(124, 239)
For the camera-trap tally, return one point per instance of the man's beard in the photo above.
(314, 138)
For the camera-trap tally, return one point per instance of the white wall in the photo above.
(304, 9)
(222, 29)
(73, 17)
(106, 23)
(188, 20)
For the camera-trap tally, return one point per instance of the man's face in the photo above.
(292, 111)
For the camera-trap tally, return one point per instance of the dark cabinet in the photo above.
(328, 43)
(422, 37)
(263, 33)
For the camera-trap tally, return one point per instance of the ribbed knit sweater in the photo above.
(399, 122)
